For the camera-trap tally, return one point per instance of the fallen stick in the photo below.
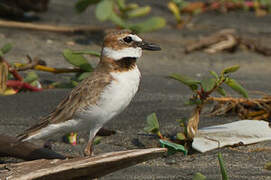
(84, 167)
(51, 28)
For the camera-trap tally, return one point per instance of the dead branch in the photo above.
(257, 108)
(256, 46)
(207, 41)
(9, 146)
(227, 39)
(51, 28)
(3, 76)
(90, 167)
(228, 43)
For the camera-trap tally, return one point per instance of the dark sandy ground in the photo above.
(157, 93)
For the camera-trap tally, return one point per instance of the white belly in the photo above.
(114, 99)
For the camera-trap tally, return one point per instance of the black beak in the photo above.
(148, 46)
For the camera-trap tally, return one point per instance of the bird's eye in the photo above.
(128, 39)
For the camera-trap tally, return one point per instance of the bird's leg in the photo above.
(88, 151)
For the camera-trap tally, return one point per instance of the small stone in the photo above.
(70, 43)
(170, 161)
(49, 41)
(82, 140)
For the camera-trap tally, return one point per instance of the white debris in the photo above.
(244, 132)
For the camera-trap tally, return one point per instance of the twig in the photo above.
(38, 64)
(207, 41)
(22, 85)
(12, 70)
(51, 28)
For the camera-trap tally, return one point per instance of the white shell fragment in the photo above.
(244, 132)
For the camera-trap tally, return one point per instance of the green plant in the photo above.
(5, 49)
(83, 67)
(11, 81)
(120, 13)
(153, 127)
(202, 89)
(199, 176)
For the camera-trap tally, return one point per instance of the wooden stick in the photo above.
(90, 167)
(10, 146)
(51, 28)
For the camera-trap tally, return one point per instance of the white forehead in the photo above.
(135, 37)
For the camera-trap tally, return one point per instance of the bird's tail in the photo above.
(32, 131)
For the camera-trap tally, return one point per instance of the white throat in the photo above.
(122, 53)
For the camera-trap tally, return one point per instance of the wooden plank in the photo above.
(91, 167)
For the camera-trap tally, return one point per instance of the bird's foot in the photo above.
(88, 151)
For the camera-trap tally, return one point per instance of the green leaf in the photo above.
(62, 85)
(97, 140)
(117, 20)
(231, 69)
(104, 9)
(121, 4)
(199, 176)
(36, 83)
(142, 11)
(214, 74)
(152, 124)
(131, 6)
(93, 53)
(182, 122)
(193, 84)
(222, 168)
(82, 76)
(77, 60)
(6, 48)
(236, 87)
(267, 166)
(74, 83)
(193, 101)
(181, 136)
(221, 91)
(208, 84)
(82, 5)
(31, 77)
(150, 24)
(173, 147)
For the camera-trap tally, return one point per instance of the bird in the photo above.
(102, 95)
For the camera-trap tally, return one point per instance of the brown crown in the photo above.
(113, 39)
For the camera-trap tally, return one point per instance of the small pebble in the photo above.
(82, 140)
(49, 41)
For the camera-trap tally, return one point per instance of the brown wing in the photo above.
(86, 93)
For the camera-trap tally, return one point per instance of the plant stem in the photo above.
(16, 84)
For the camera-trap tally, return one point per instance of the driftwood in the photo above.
(90, 167)
(9, 146)
(227, 39)
(209, 43)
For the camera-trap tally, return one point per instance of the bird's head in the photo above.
(123, 44)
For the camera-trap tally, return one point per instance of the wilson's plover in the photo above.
(101, 96)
